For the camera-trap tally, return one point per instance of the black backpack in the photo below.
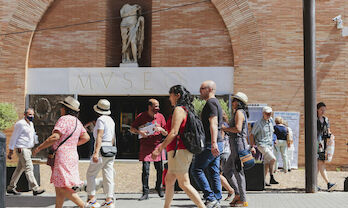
(193, 136)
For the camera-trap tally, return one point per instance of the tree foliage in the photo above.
(198, 104)
(8, 115)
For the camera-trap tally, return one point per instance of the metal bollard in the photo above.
(2, 169)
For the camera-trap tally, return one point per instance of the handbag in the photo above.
(51, 156)
(108, 151)
(245, 155)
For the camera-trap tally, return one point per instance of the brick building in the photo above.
(261, 40)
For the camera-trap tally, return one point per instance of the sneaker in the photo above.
(318, 188)
(331, 186)
(92, 204)
(13, 191)
(212, 204)
(38, 192)
(240, 204)
(109, 204)
(160, 192)
(144, 197)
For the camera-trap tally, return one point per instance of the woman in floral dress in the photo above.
(65, 172)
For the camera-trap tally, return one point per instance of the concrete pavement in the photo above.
(255, 199)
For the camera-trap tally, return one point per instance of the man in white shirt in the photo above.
(22, 140)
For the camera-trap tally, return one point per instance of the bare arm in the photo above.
(213, 121)
(137, 131)
(48, 142)
(83, 139)
(98, 142)
(239, 119)
(178, 117)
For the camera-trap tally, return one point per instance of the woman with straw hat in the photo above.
(238, 131)
(104, 134)
(68, 133)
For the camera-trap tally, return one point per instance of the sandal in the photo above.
(229, 196)
(235, 199)
(240, 204)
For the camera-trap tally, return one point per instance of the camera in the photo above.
(326, 135)
(339, 21)
(337, 18)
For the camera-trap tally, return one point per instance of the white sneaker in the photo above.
(92, 204)
(109, 204)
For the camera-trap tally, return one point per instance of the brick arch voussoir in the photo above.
(242, 27)
(14, 49)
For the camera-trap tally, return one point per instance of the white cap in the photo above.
(267, 109)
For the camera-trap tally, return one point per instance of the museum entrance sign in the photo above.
(133, 81)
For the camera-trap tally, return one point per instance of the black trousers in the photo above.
(146, 173)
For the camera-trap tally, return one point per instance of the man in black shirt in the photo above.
(209, 159)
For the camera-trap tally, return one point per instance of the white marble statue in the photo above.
(132, 32)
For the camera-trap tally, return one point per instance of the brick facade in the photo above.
(263, 40)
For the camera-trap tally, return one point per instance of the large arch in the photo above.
(242, 27)
(238, 18)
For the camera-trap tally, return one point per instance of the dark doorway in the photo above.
(124, 110)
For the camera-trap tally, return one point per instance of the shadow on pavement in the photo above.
(29, 201)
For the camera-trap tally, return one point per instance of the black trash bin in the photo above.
(2, 169)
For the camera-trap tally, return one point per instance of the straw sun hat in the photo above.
(102, 107)
(71, 103)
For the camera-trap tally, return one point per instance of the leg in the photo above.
(59, 197)
(92, 172)
(284, 153)
(322, 170)
(159, 170)
(18, 171)
(240, 177)
(145, 177)
(214, 169)
(29, 169)
(71, 195)
(276, 154)
(108, 178)
(200, 163)
(170, 182)
(226, 185)
(184, 183)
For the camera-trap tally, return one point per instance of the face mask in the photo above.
(30, 118)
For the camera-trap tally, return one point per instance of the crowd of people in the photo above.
(217, 165)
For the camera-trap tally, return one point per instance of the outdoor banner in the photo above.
(293, 120)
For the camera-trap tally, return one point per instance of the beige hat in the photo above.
(71, 103)
(102, 107)
(267, 109)
(241, 96)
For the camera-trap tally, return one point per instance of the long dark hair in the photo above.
(242, 106)
(185, 96)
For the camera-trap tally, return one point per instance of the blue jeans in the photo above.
(206, 161)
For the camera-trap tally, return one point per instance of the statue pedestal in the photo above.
(129, 65)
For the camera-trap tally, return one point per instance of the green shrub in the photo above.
(198, 104)
(8, 115)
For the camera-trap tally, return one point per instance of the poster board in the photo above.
(293, 120)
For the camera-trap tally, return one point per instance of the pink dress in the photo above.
(65, 172)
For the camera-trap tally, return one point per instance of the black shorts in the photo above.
(321, 156)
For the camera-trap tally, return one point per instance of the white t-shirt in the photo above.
(108, 125)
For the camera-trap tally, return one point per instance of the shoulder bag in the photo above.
(52, 152)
